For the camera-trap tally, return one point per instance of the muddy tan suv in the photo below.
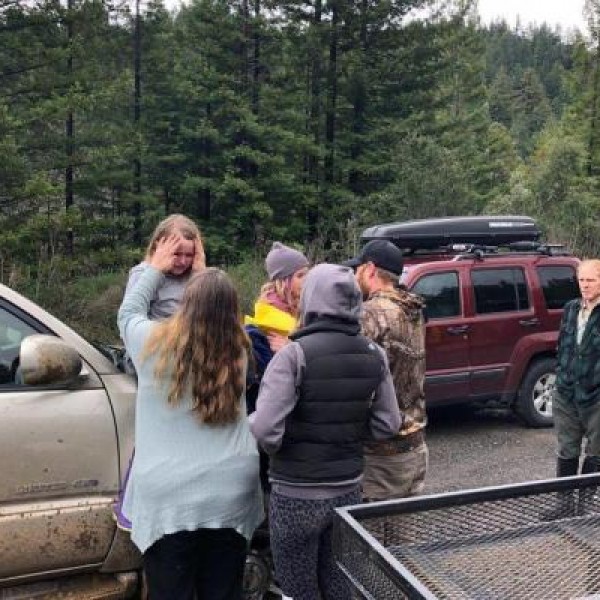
(66, 434)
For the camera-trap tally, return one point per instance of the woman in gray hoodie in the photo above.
(322, 395)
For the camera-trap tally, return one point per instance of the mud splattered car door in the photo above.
(58, 465)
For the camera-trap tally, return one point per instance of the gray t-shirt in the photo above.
(167, 298)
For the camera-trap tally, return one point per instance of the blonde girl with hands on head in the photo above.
(188, 258)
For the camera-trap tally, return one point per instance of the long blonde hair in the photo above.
(282, 288)
(203, 347)
(177, 223)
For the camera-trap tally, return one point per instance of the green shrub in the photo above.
(248, 277)
(88, 304)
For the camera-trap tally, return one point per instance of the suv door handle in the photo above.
(457, 329)
(529, 322)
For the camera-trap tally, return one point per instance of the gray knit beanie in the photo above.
(283, 261)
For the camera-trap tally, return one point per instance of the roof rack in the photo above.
(466, 251)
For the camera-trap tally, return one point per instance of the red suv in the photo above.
(494, 296)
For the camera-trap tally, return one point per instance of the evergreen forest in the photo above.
(302, 121)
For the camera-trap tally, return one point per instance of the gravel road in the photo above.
(470, 449)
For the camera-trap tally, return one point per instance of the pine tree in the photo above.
(502, 99)
(533, 110)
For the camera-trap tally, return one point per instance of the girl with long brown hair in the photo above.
(193, 496)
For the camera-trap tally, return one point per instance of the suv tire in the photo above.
(534, 398)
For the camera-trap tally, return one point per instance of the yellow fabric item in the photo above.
(269, 318)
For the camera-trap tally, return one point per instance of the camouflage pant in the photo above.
(396, 476)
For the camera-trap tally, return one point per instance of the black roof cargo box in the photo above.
(425, 234)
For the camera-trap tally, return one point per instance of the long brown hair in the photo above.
(203, 348)
(176, 223)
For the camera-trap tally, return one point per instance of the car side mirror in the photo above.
(46, 359)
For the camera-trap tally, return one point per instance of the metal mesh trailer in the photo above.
(538, 541)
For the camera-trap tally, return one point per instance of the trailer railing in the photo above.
(536, 540)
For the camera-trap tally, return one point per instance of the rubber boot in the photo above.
(565, 501)
(591, 464)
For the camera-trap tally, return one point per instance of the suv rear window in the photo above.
(441, 294)
(499, 290)
(559, 285)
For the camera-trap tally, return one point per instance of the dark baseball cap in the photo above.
(382, 253)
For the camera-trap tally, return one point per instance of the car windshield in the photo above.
(116, 354)
(404, 275)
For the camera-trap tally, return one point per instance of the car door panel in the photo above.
(47, 536)
(60, 472)
(447, 357)
(58, 464)
(503, 315)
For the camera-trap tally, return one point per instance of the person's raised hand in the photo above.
(199, 258)
(164, 253)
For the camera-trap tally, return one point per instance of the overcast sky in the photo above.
(566, 13)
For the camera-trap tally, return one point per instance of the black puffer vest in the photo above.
(325, 431)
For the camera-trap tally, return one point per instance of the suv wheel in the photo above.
(534, 399)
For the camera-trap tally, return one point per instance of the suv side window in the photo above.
(499, 290)
(441, 294)
(12, 332)
(559, 285)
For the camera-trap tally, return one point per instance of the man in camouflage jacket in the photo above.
(393, 318)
